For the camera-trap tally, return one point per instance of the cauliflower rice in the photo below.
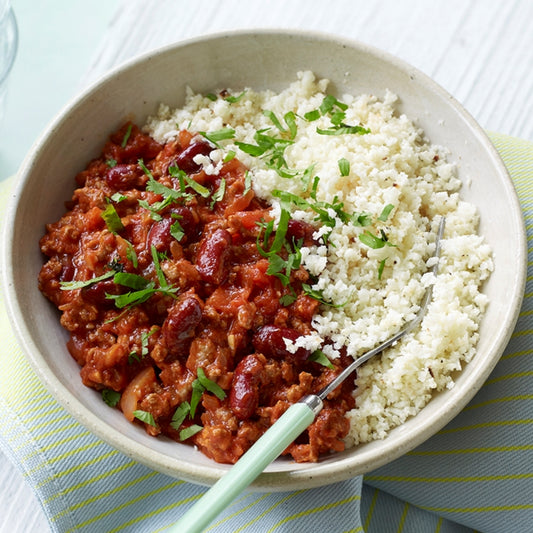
(374, 291)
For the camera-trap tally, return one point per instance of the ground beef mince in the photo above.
(161, 275)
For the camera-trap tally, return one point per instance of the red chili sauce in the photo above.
(208, 304)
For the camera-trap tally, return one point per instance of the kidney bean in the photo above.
(159, 235)
(212, 256)
(96, 293)
(67, 272)
(244, 393)
(268, 340)
(179, 327)
(188, 220)
(122, 176)
(185, 160)
(297, 229)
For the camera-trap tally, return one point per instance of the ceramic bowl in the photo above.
(259, 59)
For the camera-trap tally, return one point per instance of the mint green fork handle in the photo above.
(286, 429)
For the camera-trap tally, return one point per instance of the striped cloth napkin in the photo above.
(474, 475)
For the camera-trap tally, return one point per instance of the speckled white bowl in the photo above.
(259, 59)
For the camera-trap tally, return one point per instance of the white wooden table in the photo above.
(480, 51)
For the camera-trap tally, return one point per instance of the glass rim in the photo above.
(12, 43)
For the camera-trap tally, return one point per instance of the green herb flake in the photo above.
(386, 212)
(233, 99)
(272, 116)
(177, 231)
(344, 167)
(188, 432)
(132, 281)
(126, 136)
(219, 135)
(145, 335)
(111, 162)
(133, 298)
(361, 219)
(288, 298)
(73, 285)
(374, 241)
(210, 385)
(229, 156)
(318, 356)
(160, 275)
(343, 129)
(319, 297)
(290, 119)
(313, 115)
(212, 97)
(329, 103)
(111, 218)
(197, 390)
(133, 357)
(111, 397)
(145, 416)
(118, 197)
(131, 254)
(196, 187)
(247, 183)
(179, 415)
(381, 267)
(219, 194)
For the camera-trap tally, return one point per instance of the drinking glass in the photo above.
(8, 48)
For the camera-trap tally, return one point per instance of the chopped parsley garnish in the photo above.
(290, 119)
(219, 135)
(177, 231)
(145, 335)
(318, 356)
(288, 298)
(271, 149)
(229, 156)
(311, 116)
(111, 218)
(179, 415)
(344, 167)
(343, 129)
(317, 295)
(131, 254)
(132, 281)
(385, 213)
(374, 241)
(272, 116)
(160, 275)
(145, 416)
(335, 109)
(188, 432)
(118, 197)
(197, 391)
(196, 187)
(111, 397)
(247, 183)
(111, 163)
(209, 385)
(72, 285)
(201, 384)
(233, 99)
(218, 195)
(330, 103)
(126, 136)
(381, 267)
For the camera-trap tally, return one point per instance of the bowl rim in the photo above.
(319, 474)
